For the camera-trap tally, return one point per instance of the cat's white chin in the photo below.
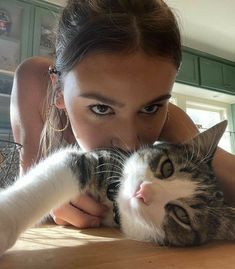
(138, 229)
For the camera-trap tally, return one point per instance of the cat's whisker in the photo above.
(108, 165)
(187, 156)
(116, 152)
(120, 157)
(115, 180)
(107, 171)
(119, 153)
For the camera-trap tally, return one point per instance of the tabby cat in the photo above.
(166, 193)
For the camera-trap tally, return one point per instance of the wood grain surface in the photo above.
(58, 247)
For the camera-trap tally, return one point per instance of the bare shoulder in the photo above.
(33, 65)
(179, 127)
(30, 82)
(27, 106)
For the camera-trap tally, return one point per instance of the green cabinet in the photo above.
(15, 44)
(44, 32)
(189, 70)
(6, 83)
(216, 75)
(26, 29)
(207, 71)
(211, 73)
(229, 78)
(4, 113)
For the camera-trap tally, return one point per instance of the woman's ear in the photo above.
(59, 96)
(59, 99)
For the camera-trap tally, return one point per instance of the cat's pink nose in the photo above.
(145, 192)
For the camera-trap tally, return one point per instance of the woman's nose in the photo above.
(127, 139)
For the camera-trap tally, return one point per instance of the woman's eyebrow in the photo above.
(158, 99)
(109, 101)
(101, 98)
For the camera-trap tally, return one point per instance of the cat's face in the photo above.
(169, 195)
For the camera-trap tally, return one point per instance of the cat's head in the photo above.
(170, 195)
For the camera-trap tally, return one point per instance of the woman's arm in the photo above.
(27, 120)
(224, 167)
(180, 127)
(28, 93)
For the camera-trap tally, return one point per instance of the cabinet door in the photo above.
(5, 112)
(218, 76)
(6, 83)
(44, 32)
(189, 69)
(211, 74)
(14, 33)
(229, 78)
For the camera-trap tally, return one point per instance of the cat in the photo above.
(165, 193)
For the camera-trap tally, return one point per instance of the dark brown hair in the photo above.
(116, 26)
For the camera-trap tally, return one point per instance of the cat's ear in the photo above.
(207, 141)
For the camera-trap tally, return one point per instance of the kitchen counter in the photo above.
(69, 248)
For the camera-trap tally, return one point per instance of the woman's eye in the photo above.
(167, 168)
(150, 109)
(101, 109)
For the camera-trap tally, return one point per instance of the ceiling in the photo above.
(206, 25)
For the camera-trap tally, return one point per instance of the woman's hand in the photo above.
(82, 212)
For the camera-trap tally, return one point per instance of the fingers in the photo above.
(60, 221)
(87, 204)
(68, 214)
(81, 212)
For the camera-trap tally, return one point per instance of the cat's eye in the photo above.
(181, 214)
(167, 168)
(178, 212)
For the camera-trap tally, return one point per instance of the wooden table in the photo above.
(57, 247)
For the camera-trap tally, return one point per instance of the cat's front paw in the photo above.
(7, 234)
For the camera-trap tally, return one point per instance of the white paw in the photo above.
(7, 234)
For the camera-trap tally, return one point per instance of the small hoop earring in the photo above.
(167, 117)
(52, 127)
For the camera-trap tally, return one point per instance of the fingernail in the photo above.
(95, 223)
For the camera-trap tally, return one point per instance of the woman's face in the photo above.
(118, 100)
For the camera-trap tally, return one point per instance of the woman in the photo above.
(115, 65)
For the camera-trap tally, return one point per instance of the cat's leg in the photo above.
(49, 184)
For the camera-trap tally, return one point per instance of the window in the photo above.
(207, 112)
(205, 116)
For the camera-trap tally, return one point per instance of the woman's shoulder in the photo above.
(30, 85)
(31, 78)
(179, 127)
(34, 66)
